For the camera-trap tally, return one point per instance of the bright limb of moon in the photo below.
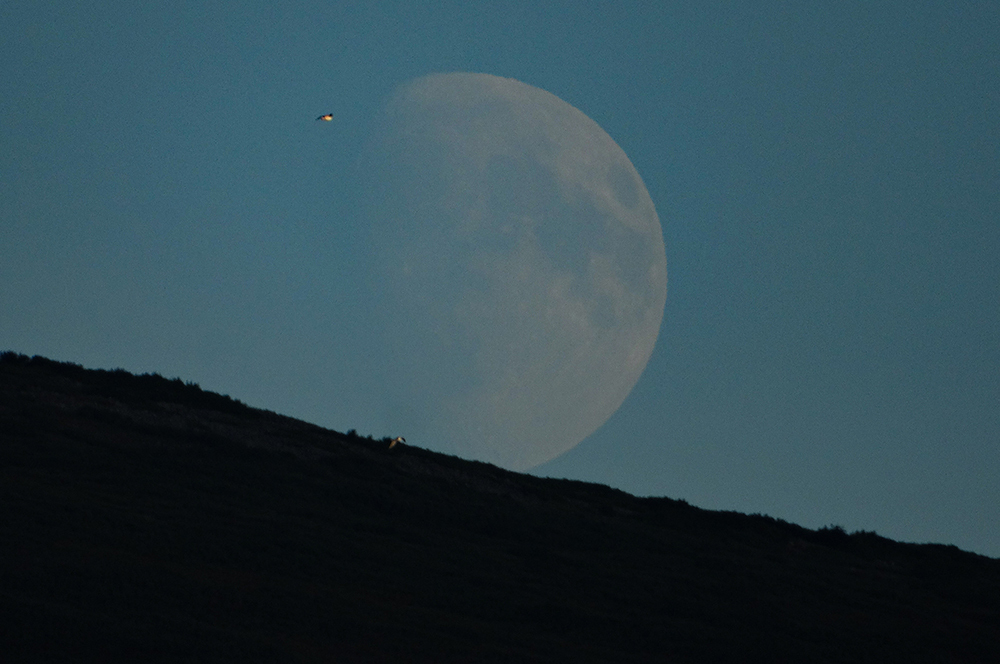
(521, 274)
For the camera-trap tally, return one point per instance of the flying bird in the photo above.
(327, 117)
(398, 439)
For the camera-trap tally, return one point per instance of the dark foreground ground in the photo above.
(145, 520)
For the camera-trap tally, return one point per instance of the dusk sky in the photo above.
(826, 176)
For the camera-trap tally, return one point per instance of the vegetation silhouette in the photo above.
(145, 519)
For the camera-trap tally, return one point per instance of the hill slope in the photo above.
(143, 519)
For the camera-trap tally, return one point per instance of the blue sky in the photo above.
(826, 176)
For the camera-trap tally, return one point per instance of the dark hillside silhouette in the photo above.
(143, 519)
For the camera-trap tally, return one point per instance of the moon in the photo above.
(519, 273)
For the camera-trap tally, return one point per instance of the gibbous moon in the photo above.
(520, 273)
